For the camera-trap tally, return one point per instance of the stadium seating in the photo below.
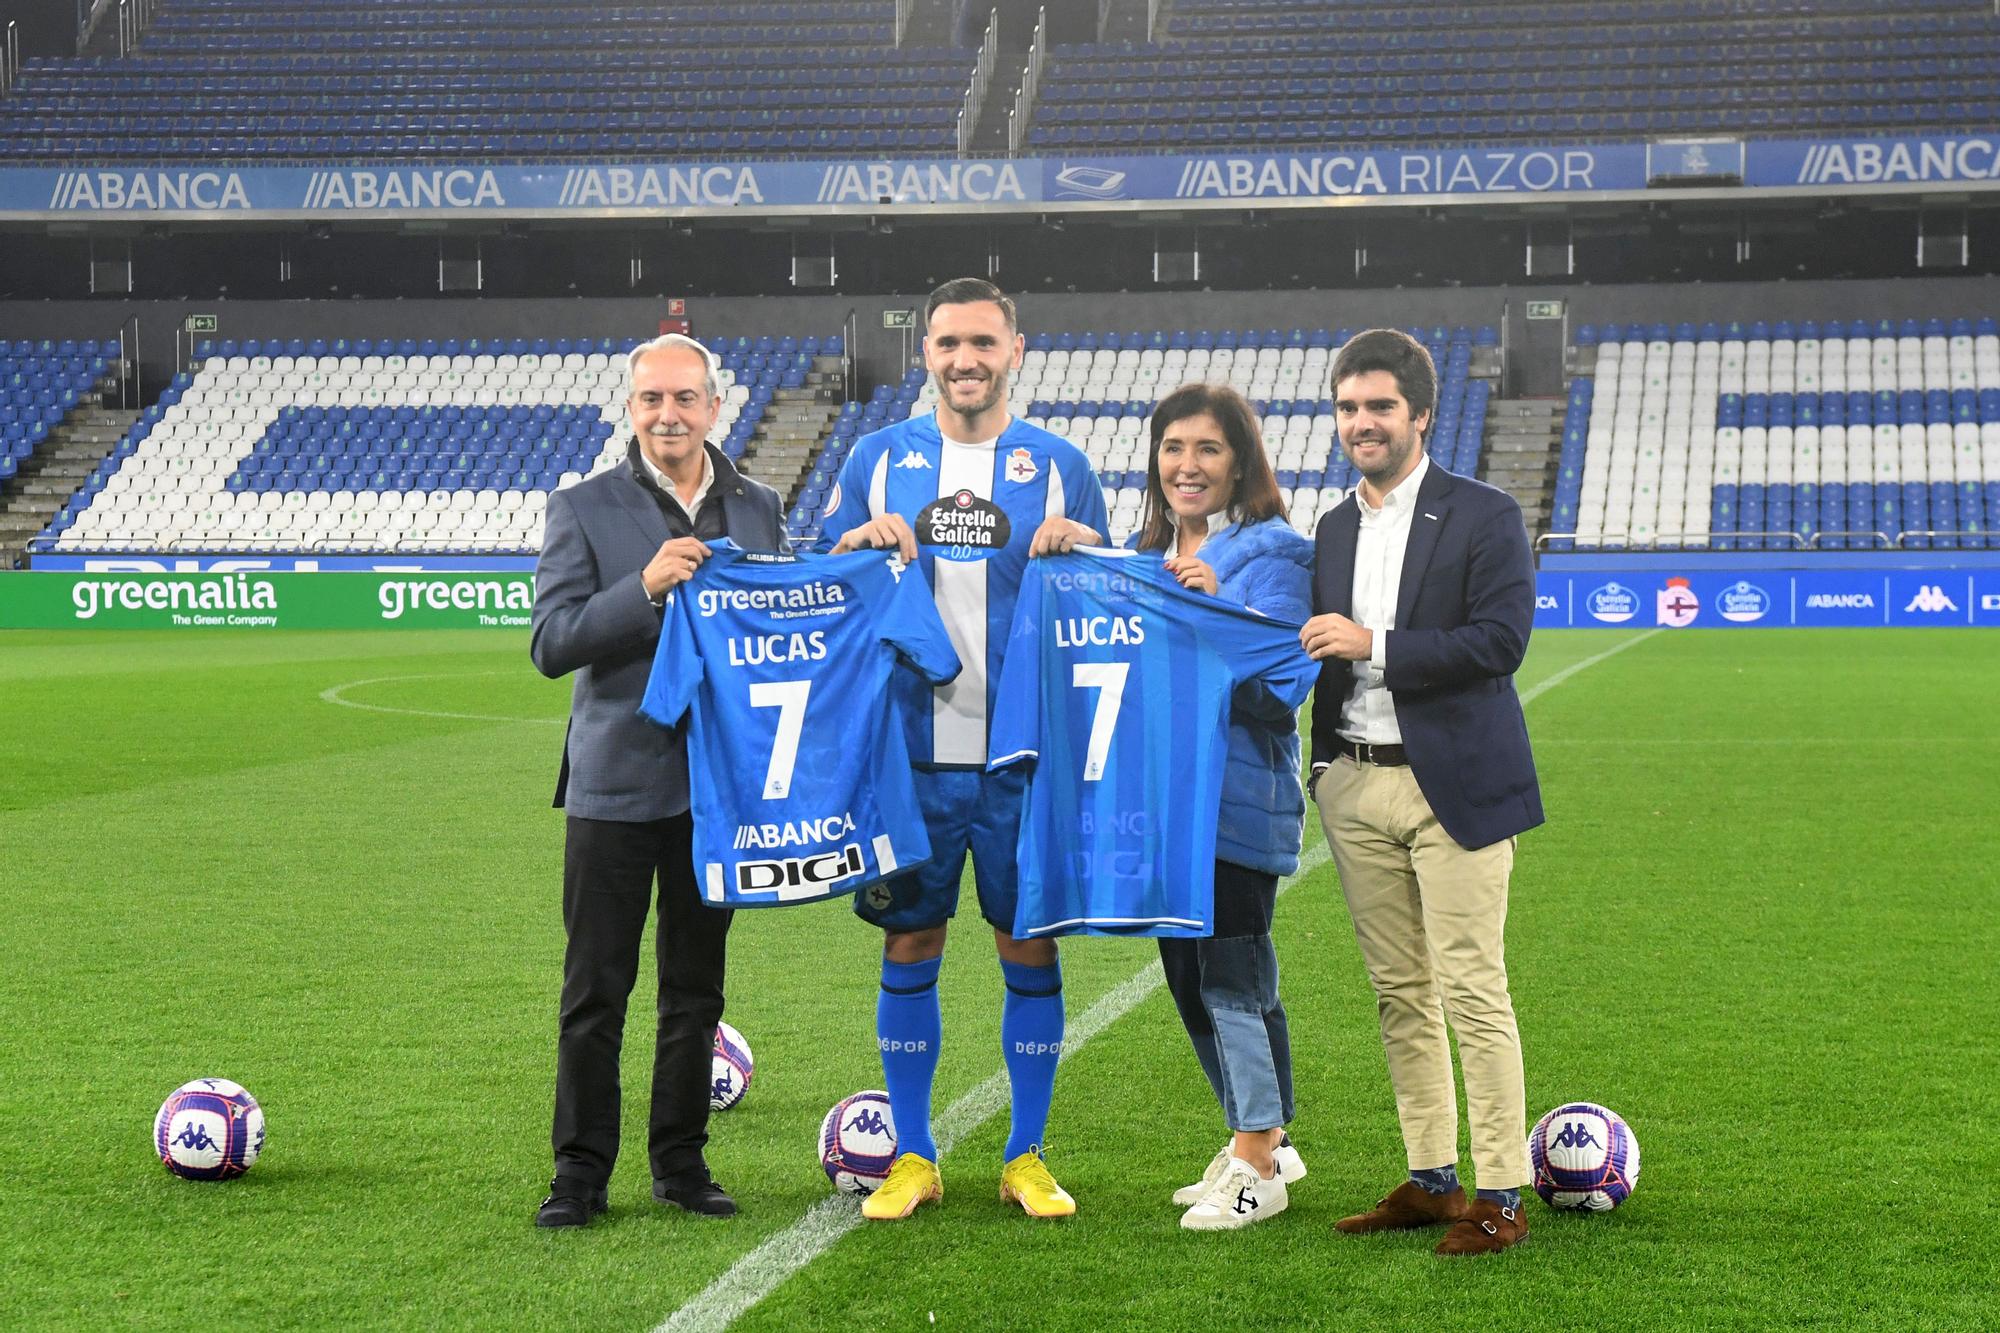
(887, 405)
(1833, 436)
(1300, 74)
(250, 80)
(393, 445)
(40, 383)
(455, 80)
(1099, 390)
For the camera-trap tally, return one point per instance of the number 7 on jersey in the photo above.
(789, 698)
(1108, 679)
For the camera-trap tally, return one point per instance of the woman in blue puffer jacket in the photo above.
(1214, 510)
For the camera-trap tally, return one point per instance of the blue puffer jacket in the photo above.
(1267, 567)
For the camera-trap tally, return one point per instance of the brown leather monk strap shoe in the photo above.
(1408, 1207)
(1487, 1228)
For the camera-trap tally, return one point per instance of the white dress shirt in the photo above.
(1369, 715)
(692, 505)
(688, 507)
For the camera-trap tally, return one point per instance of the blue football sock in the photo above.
(1436, 1179)
(1031, 1033)
(907, 1027)
(1505, 1198)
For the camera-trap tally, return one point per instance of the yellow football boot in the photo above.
(912, 1180)
(1026, 1181)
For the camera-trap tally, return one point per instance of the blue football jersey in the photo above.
(799, 778)
(974, 510)
(1117, 688)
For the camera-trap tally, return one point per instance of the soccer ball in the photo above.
(1584, 1156)
(731, 1069)
(210, 1129)
(857, 1142)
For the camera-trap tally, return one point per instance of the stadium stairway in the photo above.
(52, 474)
(797, 424)
(401, 444)
(1523, 438)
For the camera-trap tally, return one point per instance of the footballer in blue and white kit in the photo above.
(970, 495)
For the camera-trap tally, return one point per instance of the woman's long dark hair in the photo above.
(1256, 495)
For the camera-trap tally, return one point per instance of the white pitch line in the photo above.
(1542, 687)
(333, 694)
(766, 1268)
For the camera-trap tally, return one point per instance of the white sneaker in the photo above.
(1237, 1199)
(1291, 1170)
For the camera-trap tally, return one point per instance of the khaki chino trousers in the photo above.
(1431, 917)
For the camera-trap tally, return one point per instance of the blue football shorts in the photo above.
(964, 811)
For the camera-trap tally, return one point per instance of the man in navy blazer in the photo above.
(613, 547)
(1423, 594)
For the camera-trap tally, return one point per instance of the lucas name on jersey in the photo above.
(823, 597)
(762, 649)
(1099, 631)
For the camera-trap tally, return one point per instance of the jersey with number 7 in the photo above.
(1117, 687)
(798, 770)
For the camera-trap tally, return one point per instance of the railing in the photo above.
(1798, 541)
(129, 387)
(904, 8)
(10, 57)
(134, 17)
(1031, 83)
(130, 543)
(982, 75)
(850, 329)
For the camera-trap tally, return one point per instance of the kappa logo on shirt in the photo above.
(1021, 467)
(913, 460)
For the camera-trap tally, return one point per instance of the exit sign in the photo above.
(1545, 310)
(201, 324)
(899, 319)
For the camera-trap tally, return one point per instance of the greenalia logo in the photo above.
(400, 595)
(229, 593)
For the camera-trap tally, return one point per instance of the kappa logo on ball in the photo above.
(1678, 606)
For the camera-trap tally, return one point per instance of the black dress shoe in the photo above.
(703, 1196)
(570, 1205)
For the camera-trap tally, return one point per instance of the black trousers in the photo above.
(609, 870)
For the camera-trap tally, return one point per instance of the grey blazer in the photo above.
(592, 617)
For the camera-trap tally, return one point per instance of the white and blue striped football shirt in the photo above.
(974, 509)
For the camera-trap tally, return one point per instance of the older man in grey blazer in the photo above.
(613, 547)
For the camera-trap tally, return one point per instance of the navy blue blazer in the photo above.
(1464, 608)
(592, 617)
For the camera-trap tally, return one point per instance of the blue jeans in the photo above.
(1226, 988)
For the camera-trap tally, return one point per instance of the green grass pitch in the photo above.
(1760, 923)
